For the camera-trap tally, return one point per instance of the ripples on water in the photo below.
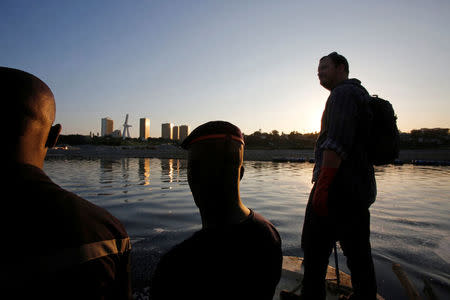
(410, 219)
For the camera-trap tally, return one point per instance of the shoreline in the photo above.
(174, 152)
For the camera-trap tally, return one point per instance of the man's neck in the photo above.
(339, 81)
(22, 155)
(224, 216)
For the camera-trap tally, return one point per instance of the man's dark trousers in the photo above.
(318, 237)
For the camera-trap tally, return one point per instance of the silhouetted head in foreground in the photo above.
(29, 106)
(215, 158)
(333, 68)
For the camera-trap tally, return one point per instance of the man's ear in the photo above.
(242, 173)
(341, 68)
(53, 135)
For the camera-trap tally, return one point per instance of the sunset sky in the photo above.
(253, 63)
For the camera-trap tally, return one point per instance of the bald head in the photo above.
(27, 99)
(29, 107)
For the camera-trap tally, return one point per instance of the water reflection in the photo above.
(106, 172)
(125, 164)
(257, 165)
(129, 171)
(170, 170)
(166, 170)
(144, 171)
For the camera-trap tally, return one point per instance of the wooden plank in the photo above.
(292, 276)
(407, 285)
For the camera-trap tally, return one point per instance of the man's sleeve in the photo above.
(341, 125)
(158, 289)
(123, 280)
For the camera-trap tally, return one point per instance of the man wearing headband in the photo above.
(237, 253)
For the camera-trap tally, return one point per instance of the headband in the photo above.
(217, 136)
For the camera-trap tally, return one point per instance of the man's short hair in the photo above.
(221, 130)
(337, 60)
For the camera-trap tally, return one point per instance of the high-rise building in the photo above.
(116, 133)
(144, 128)
(107, 126)
(184, 132)
(176, 133)
(166, 131)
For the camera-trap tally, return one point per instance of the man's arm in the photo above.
(123, 278)
(341, 128)
(331, 159)
(330, 165)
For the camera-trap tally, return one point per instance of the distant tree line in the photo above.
(77, 139)
(416, 139)
(425, 138)
(275, 140)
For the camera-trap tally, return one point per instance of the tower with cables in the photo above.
(126, 130)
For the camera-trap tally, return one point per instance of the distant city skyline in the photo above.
(168, 130)
(182, 131)
(252, 63)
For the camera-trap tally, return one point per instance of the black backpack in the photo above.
(383, 140)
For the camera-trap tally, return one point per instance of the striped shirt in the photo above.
(342, 130)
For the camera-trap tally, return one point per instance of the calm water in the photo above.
(410, 219)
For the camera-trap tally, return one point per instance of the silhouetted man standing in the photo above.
(56, 245)
(338, 207)
(237, 253)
